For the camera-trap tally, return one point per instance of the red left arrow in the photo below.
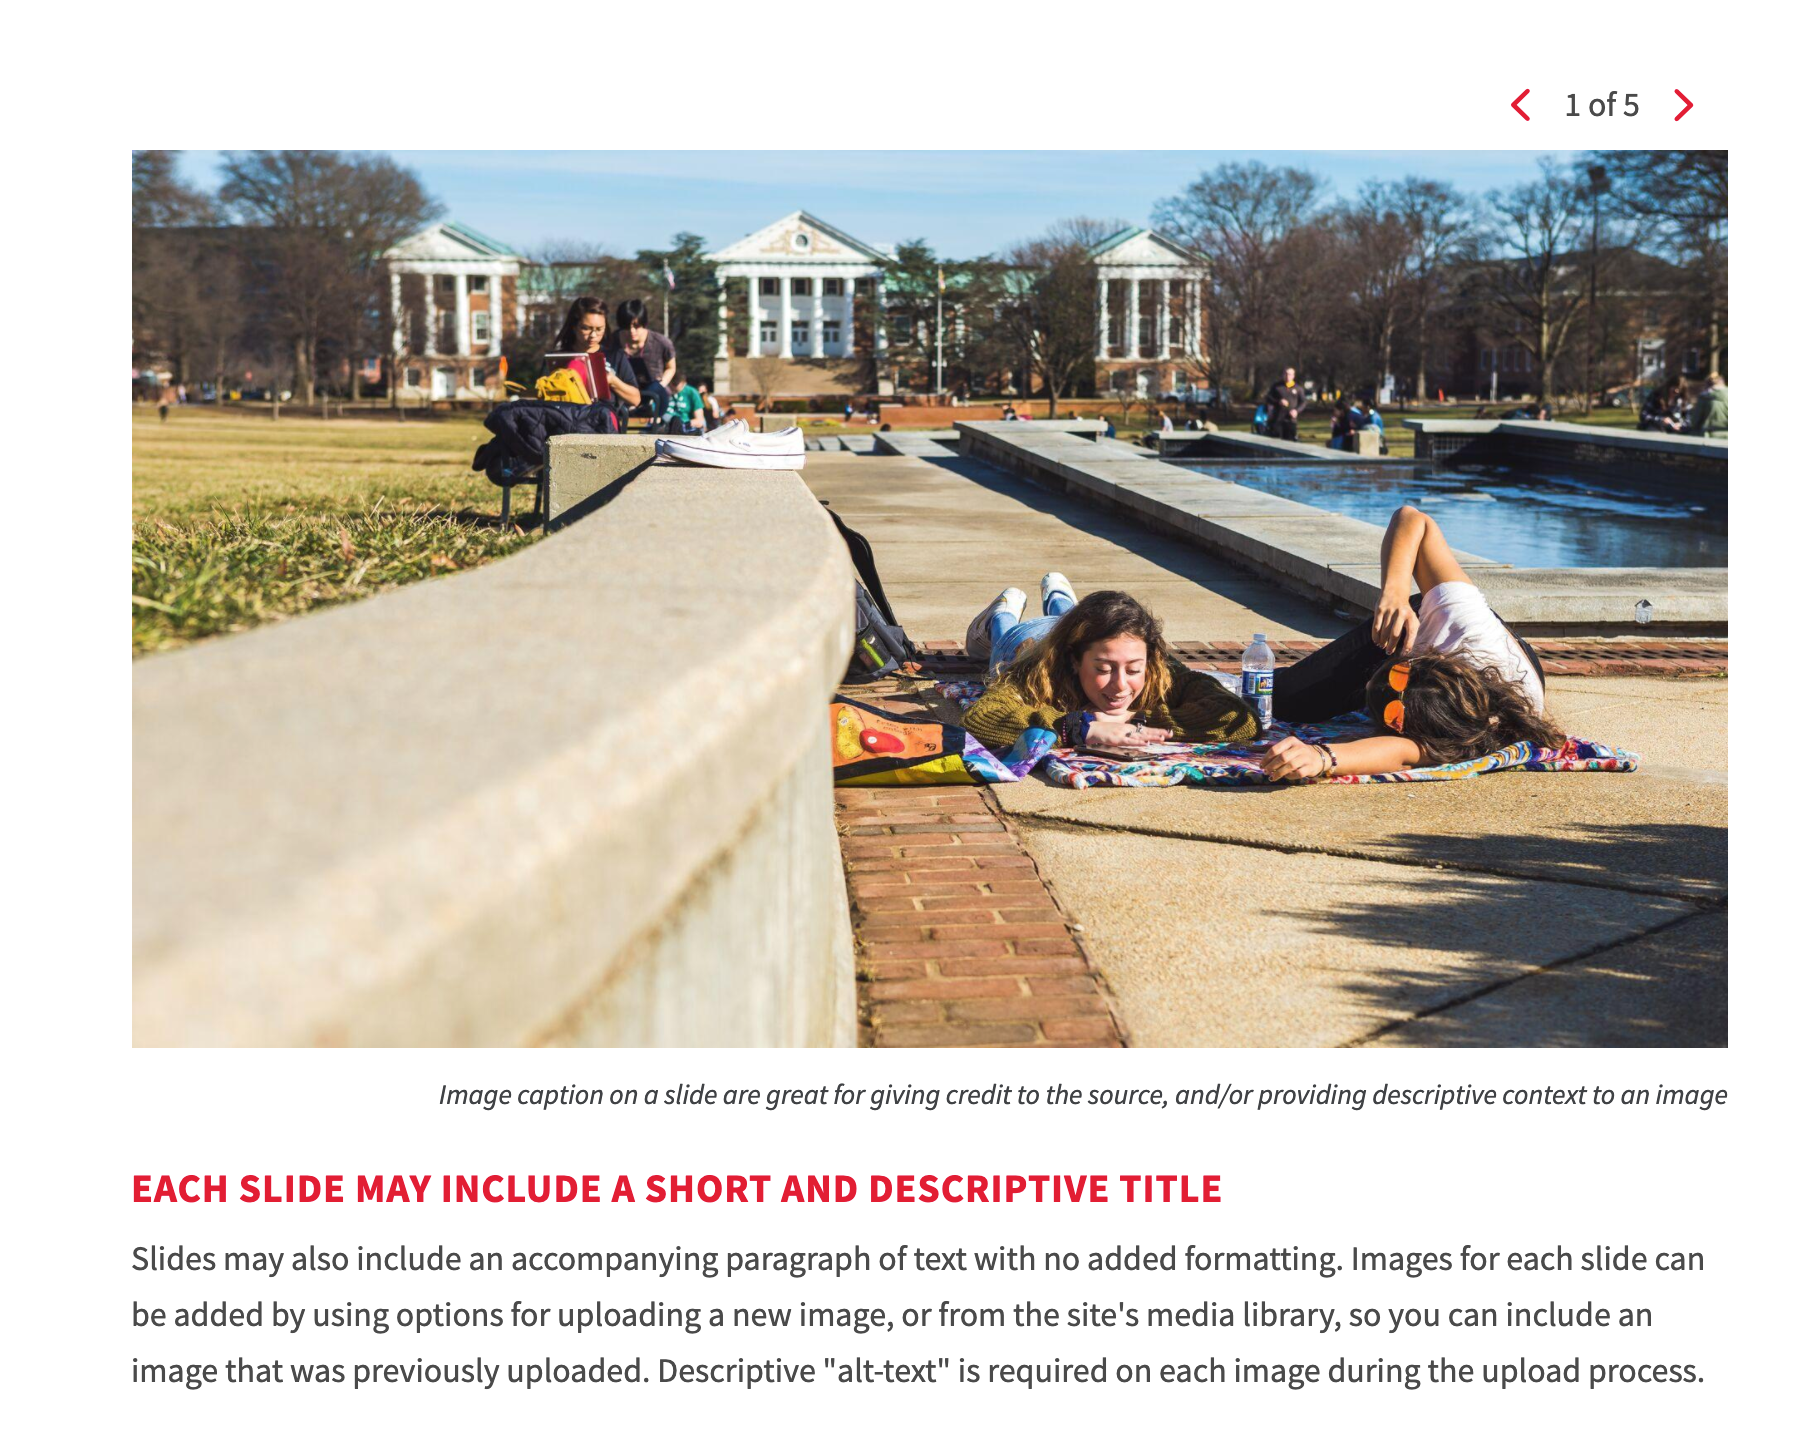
(1684, 97)
(1524, 114)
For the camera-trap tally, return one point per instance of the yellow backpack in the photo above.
(563, 385)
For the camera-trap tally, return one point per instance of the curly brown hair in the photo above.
(1046, 674)
(1456, 709)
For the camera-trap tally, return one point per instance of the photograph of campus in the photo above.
(930, 599)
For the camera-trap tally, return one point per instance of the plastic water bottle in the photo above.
(1257, 670)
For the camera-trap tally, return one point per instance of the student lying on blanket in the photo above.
(1446, 679)
(1096, 672)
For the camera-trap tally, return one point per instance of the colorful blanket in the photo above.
(1239, 765)
(871, 746)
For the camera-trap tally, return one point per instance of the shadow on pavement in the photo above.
(1660, 985)
(1583, 851)
(1184, 560)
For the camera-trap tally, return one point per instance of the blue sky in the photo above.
(964, 203)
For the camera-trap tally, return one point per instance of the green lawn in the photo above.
(237, 520)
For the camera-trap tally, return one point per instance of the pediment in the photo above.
(799, 237)
(449, 242)
(1143, 248)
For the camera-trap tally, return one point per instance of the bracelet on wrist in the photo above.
(1327, 754)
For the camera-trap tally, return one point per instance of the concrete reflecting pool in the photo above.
(1534, 519)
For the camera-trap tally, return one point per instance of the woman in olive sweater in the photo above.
(1100, 675)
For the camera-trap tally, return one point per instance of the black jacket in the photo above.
(1284, 396)
(524, 425)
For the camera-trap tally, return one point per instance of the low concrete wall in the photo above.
(1663, 460)
(1333, 558)
(581, 795)
(586, 471)
(1226, 444)
(917, 445)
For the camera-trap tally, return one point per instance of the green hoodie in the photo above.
(1711, 414)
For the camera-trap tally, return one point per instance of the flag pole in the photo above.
(939, 390)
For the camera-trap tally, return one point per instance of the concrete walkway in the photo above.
(1517, 909)
(950, 532)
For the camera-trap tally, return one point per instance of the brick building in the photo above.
(1150, 293)
(453, 300)
(1648, 328)
(808, 297)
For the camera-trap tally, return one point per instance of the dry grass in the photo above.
(237, 520)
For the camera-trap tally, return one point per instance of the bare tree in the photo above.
(1682, 200)
(1380, 243)
(1440, 222)
(1049, 303)
(1238, 216)
(1532, 282)
(172, 284)
(160, 198)
(320, 222)
(767, 374)
(1311, 301)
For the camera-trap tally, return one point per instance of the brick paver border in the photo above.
(959, 941)
(1560, 656)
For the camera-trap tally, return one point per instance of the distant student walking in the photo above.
(1283, 404)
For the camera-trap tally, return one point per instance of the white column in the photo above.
(723, 317)
(429, 348)
(754, 317)
(494, 294)
(817, 315)
(1195, 317)
(849, 317)
(1101, 296)
(462, 315)
(880, 316)
(1132, 317)
(785, 330)
(1164, 317)
(398, 333)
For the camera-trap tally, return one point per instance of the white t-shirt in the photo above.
(1456, 620)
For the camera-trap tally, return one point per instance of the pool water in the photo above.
(1535, 520)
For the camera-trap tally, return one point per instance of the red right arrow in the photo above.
(1525, 115)
(1684, 97)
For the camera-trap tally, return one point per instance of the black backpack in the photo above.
(881, 646)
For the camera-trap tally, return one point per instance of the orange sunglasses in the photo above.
(1398, 679)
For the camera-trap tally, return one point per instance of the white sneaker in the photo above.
(784, 441)
(1055, 583)
(976, 641)
(723, 449)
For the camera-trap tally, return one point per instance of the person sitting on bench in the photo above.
(651, 359)
(601, 365)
